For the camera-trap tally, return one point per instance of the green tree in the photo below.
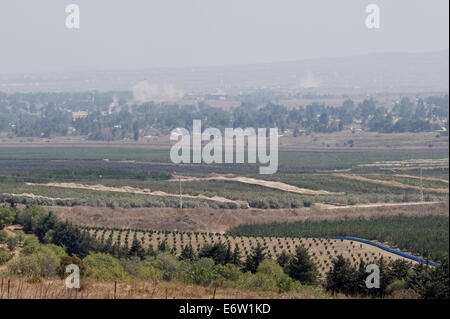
(136, 249)
(30, 217)
(254, 259)
(342, 277)
(218, 252)
(284, 260)
(236, 259)
(7, 216)
(303, 268)
(430, 282)
(187, 253)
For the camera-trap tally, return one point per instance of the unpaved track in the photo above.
(424, 178)
(11, 230)
(411, 164)
(327, 206)
(35, 196)
(390, 183)
(132, 190)
(260, 182)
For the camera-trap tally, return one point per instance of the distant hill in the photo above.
(381, 72)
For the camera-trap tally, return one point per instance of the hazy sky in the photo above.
(171, 33)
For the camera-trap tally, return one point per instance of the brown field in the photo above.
(220, 220)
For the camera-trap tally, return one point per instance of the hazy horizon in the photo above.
(126, 69)
(175, 34)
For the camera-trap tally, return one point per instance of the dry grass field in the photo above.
(220, 220)
(54, 288)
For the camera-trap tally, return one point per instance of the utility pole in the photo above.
(181, 197)
(421, 186)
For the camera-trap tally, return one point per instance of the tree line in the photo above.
(113, 115)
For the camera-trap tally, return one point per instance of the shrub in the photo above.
(132, 265)
(227, 273)
(149, 272)
(12, 243)
(396, 285)
(28, 266)
(200, 272)
(70, 260)
(283, 283)
(307, 203)
(105, 267)
(48, 262)
(270, 267)
(31, 246)
(3, 236)
(20, 235)
(168, 264)
(58, 251)
(5, 256)
(259, 281)
(7, 216)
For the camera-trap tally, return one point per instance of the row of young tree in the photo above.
(47, 116)
(425, 235)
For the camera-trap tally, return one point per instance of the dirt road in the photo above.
(260, 182)
(132, 190)
(390, 183)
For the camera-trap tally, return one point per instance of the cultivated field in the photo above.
(399, 198)
(322, 250)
